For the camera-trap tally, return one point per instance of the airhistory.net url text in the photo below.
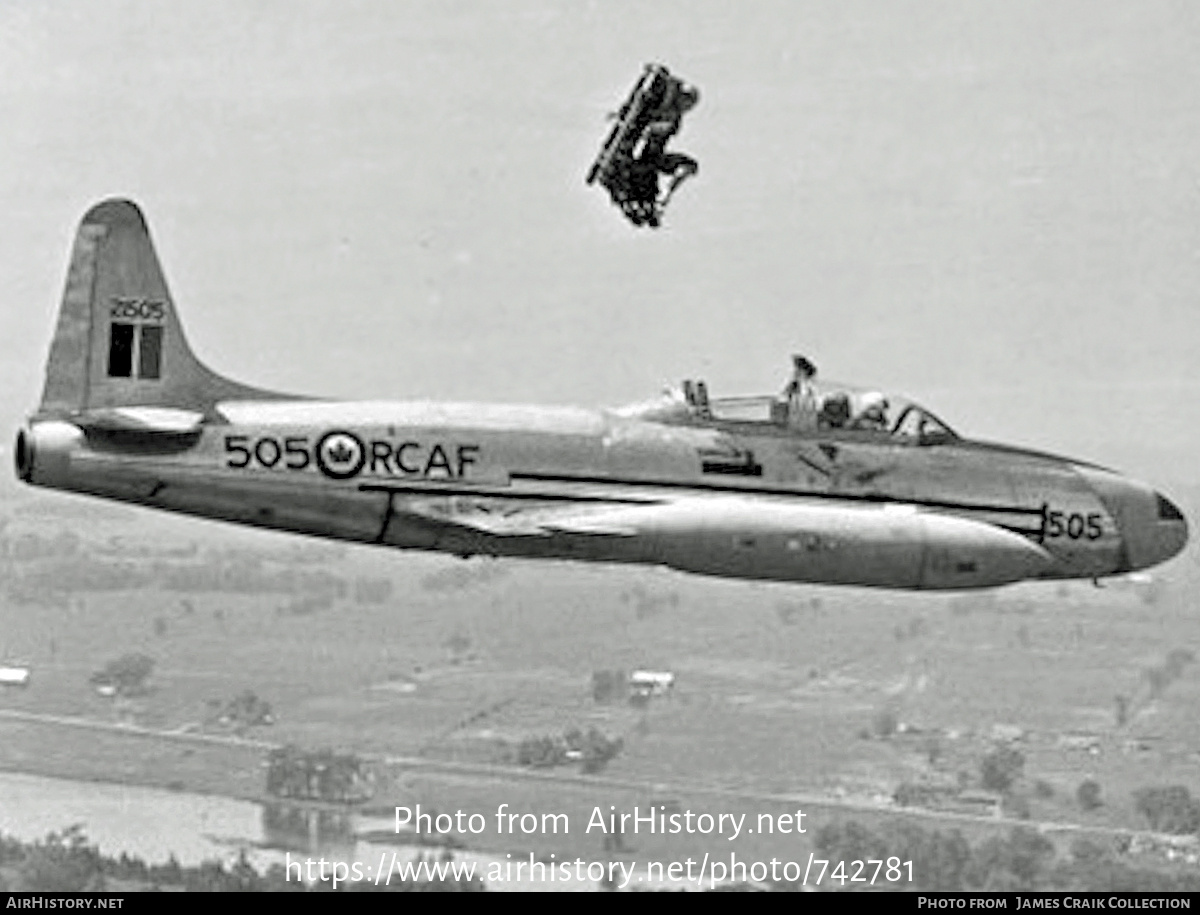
(705, 873)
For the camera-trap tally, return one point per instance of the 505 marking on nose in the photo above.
(1072, 525)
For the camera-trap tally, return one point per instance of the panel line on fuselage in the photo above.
(501, 492)
(772, 491)
(1036, 534)
(388, 514)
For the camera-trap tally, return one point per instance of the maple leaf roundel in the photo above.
(340, 455)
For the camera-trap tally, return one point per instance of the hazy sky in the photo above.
(992, 207)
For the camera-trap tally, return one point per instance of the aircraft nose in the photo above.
(1172, 527)
(1152, 527)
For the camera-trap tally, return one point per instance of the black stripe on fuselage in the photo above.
(499, 492)
(764, 491)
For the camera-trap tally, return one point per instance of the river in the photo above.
(153, 824)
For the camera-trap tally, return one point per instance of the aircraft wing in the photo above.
(502, 517)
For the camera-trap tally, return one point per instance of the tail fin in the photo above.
(119, 341)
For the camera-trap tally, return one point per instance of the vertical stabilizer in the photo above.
(119, 341)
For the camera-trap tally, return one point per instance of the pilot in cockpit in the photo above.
(798, 398)
(872, 414)
(835, 411)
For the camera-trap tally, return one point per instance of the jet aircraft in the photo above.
(824, 483)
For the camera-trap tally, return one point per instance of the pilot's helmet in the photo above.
(873, 401)
(835, 409)
(689, 95)
(803, 366)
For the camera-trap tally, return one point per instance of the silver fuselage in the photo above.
(729, 499)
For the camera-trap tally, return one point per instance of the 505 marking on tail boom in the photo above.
(821, 484)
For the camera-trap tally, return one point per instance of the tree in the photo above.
(607, 685)
(541, 751)
(1088, 851)
(943, 857)
(598, 750)
(1168, 809)
(1088, 794)
(127, 673)
(62, 862)
(1001, 768)
(1013, 863)
(885, 723)
(851, 841)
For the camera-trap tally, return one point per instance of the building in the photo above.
(14, 676)
(651, 682)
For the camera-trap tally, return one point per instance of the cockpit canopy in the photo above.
(832, 409)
